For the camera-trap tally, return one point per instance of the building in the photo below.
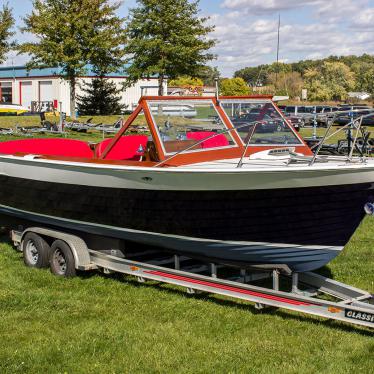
(359, 95)
(191, 91)
(44, 86)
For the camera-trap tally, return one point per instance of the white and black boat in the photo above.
(198, 185)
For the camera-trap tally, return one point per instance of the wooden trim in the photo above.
(154, 132)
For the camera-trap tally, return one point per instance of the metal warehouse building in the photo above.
(21, 86)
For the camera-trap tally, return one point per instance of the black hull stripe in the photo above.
(296, 258)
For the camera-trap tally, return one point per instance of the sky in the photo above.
(246, 30)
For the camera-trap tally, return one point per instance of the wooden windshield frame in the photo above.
(208, 154)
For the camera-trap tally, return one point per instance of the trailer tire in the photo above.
(35, 250)
(62, 261)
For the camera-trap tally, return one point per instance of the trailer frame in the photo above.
(349, 303)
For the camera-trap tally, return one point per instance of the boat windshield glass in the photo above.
(271, 128)
(181, 124)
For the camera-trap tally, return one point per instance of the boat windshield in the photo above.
(270, 127)
(181, 124)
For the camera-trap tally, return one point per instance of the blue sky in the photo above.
(246, 30)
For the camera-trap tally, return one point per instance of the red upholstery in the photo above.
(50, 147)
(217, 141)
(127, 148)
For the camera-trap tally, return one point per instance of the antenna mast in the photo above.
(277, 71)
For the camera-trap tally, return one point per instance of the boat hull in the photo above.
(300, 228)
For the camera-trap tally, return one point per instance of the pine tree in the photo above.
(6, 25)
(71, 34)
(101, 97)
(166, 38)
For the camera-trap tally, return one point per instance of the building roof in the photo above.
(23, 72)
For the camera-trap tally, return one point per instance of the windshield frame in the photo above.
(189, 101)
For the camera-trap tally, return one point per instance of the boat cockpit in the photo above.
(174, 131)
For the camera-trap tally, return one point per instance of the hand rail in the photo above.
(319, 145)
(355, 139)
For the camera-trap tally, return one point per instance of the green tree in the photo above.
(186, 81)
(73, 33)
(290, 83)
(208, 75)
(334, 79)
(234, 87)
(168, 39)
(254, 76)
(364, 76)
(101, 97)
(6, 25)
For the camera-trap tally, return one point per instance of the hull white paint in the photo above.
(203, 178)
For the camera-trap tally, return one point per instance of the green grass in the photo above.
(111, 324)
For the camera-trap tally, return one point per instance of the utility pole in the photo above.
(277, 71)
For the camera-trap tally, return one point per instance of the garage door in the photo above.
(26, 94)
(45, 91)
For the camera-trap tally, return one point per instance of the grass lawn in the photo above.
(96, 323)
(100, 324)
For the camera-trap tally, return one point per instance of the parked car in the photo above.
(343, 119)
(265, 123)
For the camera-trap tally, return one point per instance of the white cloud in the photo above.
(248, 36)
(364, 19)
(266, 6)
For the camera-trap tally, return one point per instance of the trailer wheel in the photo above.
(35, 250)
(62, 260)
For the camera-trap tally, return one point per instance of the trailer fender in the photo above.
(77, 245)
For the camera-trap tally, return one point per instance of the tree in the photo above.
(234, 87)
(73, 33)
(289, 84)
(254, 76)
(168, 39)
(364, 76)
(101, 97)
(334, 79)
(186, 81)
(208, 75)
(6, 25)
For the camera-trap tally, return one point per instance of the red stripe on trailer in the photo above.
(229, 288)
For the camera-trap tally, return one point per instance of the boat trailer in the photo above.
(300, 292)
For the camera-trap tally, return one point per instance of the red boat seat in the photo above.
(50, 147)
(217, 141)
(129, 147)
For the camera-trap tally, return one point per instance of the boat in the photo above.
(12, 109)
(203, 187)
